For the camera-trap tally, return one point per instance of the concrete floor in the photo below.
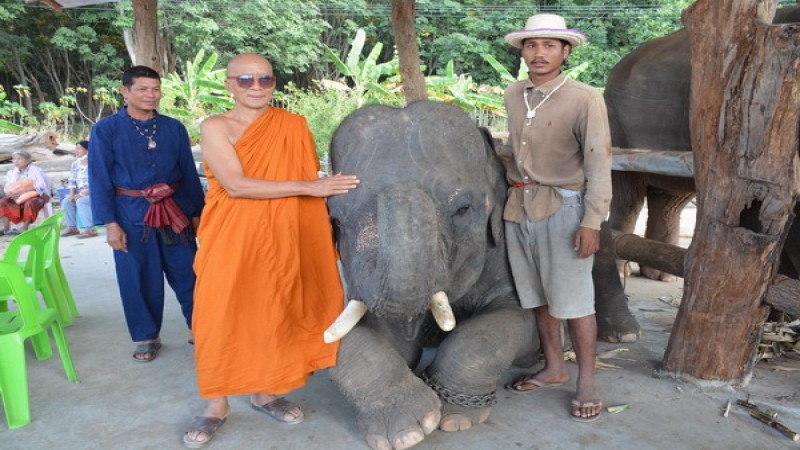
(121, 404)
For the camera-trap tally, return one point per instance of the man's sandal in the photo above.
(279, 409)
(576, 406)
(207, 425)
(148, 349)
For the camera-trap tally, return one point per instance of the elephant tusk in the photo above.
(440, 307)
(348, 319)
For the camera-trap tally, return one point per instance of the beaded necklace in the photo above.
(151, 144)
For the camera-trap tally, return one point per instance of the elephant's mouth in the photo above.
(356, 309)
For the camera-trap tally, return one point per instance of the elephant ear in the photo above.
(496, 177)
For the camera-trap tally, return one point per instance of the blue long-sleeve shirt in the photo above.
(120, 157)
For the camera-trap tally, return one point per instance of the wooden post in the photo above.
(405, 39)
(145, 34)
(745, 108)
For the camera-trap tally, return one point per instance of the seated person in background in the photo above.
(77, 205)
(26, 193)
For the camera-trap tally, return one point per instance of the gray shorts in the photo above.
(545, 266)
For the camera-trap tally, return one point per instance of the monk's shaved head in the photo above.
(248, 62)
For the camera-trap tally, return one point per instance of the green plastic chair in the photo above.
(29, 321)
(21, 251)
(54, 271)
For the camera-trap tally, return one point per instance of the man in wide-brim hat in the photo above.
(559, 172)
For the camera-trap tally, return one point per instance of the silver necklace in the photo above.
(151, 144)
(532, 112)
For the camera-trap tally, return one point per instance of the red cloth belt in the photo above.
(163, 211)
(519, 185)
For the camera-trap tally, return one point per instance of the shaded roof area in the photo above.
(58, 5)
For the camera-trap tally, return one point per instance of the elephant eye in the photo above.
(461, 211)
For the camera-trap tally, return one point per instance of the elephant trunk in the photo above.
(410, 259)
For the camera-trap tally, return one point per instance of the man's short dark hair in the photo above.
(84, 144)
(563, 42)
(135, 72)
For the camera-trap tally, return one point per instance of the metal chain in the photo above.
(459, 399)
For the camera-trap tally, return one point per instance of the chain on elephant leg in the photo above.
(459, 410)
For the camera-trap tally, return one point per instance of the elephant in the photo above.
(425, 226)
(647, 95)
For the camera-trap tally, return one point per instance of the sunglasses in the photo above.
(247, 81)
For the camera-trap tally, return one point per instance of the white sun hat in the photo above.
(546, 26)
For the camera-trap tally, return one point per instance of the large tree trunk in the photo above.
(146, 38)
(405, 38)
(745, 106)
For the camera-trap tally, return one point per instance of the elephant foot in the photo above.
(460, 418)
(405, 438)
(657, 275)
(619, 328)
(401, 419)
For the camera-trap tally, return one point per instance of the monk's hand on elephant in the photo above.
(587, 242)
(116, 238)
(337, 184)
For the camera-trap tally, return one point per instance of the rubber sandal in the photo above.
(87, 234)
(70, 232)
(577, 406)
(278, 409)
(150, 349)
(528, 380)
(207, 425)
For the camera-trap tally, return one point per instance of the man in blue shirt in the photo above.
(146, 192)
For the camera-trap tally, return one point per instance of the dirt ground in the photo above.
(121, 404)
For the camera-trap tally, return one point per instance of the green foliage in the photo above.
(55, 115)
(288, 33)
(10, 110)
(324, 109)
(197, 94)
(369, 79)
(74, 58)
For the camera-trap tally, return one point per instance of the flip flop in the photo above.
(278, 409)
(578, 405)
(150, 349)
(528, 380)
(207, 425)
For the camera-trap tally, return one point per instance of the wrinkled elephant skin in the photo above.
(426, 218)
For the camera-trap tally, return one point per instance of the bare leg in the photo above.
(555, 370)
(217, 407)
(583, 332)
(23, 226)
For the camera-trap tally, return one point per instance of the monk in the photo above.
(267, 281)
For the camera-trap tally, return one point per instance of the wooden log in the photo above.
(783, 294)
(745, 107)
(662, 162)
(658, 255)
(40, 145)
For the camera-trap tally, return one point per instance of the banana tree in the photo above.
(197, 94)
(371, 82)
(462, 91)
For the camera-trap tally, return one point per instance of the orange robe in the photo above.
(267, 282)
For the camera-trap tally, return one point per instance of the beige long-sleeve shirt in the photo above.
(566, 145)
